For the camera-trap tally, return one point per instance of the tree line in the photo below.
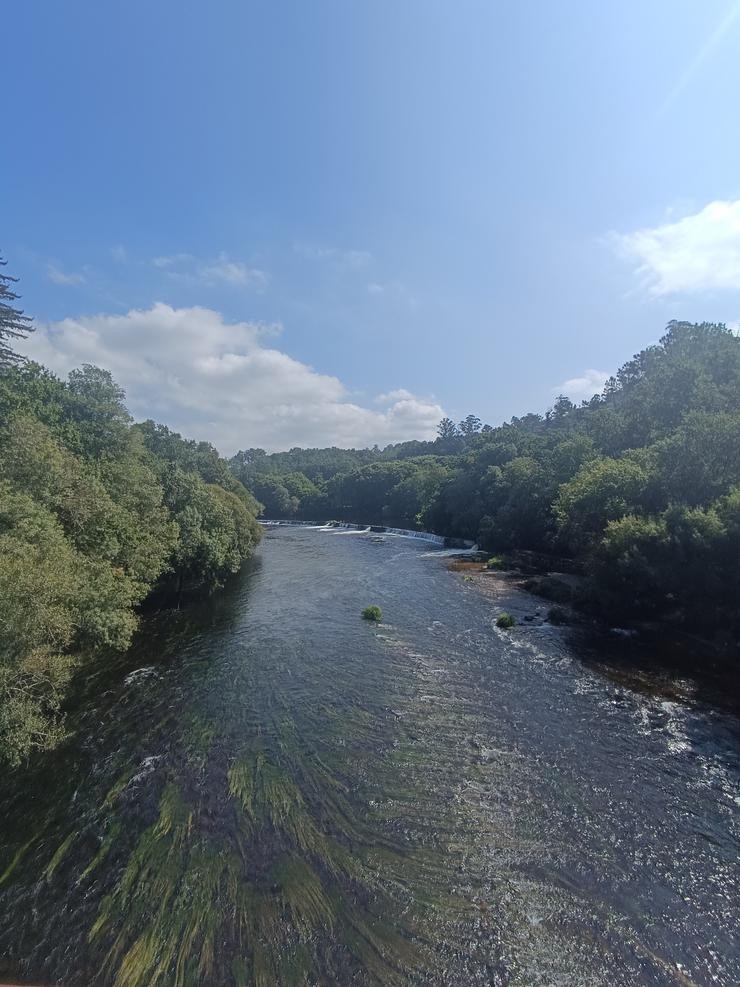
(96, 514)
(639, 485)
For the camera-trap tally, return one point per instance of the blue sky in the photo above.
(288, 223)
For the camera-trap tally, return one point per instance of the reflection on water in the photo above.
(267, 790)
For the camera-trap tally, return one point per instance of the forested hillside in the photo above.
(641, 484)
(95, 513)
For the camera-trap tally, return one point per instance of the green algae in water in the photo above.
(15, 860)
(114, 831)
(164, 913)
(59, 855)
(304, 895)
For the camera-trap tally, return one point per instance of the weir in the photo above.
(442, 540)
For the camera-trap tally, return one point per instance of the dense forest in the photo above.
(96, 513)
(640, 486)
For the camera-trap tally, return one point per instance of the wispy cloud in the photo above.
(119, 253)
(232, 272)
(223, 269)
(172, 260)
(394, 290)
(700, 252)
(57, 275)
(589, 383)
(351, 258)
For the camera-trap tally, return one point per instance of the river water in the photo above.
(268, 790)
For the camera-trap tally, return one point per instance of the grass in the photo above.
(505, 621)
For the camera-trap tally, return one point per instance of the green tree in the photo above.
(13, 323)
(603, 490)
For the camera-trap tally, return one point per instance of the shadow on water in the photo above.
(265, 790)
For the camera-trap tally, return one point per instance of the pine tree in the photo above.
(13, 323)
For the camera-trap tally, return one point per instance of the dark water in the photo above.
(268, 790)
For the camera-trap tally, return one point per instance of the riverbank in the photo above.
(656, 658)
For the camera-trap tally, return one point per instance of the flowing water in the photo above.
(268, 790)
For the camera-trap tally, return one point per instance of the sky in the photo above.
(286, 223)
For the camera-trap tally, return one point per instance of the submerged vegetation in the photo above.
(95, 514)
(640, 484)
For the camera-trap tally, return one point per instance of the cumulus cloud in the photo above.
(216, 380)
(58, 276)
(222, 270)
(577, 388)
(700, 252)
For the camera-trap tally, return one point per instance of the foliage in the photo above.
(372, 612)
(505, 621)
(95, 514)
(13, 323)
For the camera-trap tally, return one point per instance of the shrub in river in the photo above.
(497, 562)
(505, 621)
(373, 613)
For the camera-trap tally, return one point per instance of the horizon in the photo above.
(276, 229)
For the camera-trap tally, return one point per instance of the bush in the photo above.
(551, 587)
(557, 616)
(373, 613)
(505, 621)
(497, 562)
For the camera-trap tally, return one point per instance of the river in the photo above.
(268, 790)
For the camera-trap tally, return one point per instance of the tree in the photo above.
(603, 490)
(13, 323)
(447, 429)
(469, 426)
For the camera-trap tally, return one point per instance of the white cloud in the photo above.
(700, 252)
(222, 270)
(55, 273)
(390, 397)
(211, 379)
(578, 388)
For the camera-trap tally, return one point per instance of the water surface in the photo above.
(268, 790)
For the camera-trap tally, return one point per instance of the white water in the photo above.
(349, 528)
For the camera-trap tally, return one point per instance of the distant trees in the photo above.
(13, 323)
(641, 483)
